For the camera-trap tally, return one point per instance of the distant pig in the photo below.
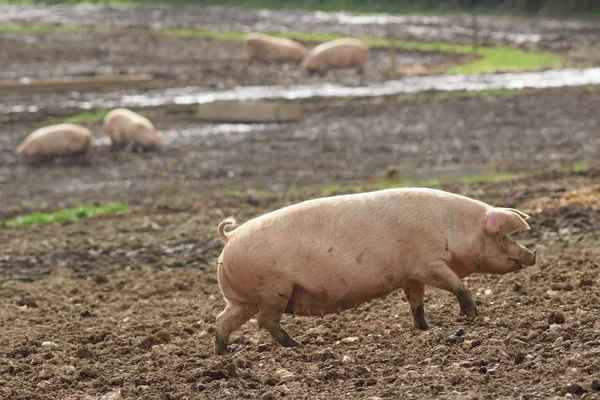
(57, 141)
(268, 48)
(327, 255)
(339, 53)
(127, 128)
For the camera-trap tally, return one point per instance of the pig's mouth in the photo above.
(529, 260)
(518, 264)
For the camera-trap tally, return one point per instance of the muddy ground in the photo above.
(124, 305)
(128, 303)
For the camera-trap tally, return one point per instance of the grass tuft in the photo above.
(68, 214)
(86, 117)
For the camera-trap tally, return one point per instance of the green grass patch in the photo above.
(491, 59)
(42, 28)
(581, 166)
(431, 183)
(507, 59)
(68, 214)
(86, 117)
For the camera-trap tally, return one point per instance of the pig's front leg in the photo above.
(439, 274)
(414, 295)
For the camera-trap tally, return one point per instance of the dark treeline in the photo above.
(557, 8)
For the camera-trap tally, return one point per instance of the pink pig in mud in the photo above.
(326, 255)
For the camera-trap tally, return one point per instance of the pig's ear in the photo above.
(505, 221)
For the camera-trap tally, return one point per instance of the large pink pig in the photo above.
(327, 255)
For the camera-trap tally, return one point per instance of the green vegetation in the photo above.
(68, 214)
(554, 8)
(42, 28)
(391, 183)
(581, 166)
(491, 59)
(86, 117)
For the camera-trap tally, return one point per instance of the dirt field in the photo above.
(123, 306)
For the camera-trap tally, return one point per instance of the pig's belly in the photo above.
(333, 293)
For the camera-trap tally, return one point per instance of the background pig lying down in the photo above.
(57, 141)
(327, 255)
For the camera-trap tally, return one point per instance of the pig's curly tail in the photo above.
(221, 229)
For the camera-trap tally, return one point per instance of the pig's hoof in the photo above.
(220, 348)
(422, 325)
(470, 311)
(289, 342)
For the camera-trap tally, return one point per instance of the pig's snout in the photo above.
(530, 259)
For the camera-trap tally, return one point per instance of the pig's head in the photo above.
(149, 137)
(496, 251)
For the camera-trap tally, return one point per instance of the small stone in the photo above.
(112, 395)
(283, 389)
(374, 398)
(434, 369)
(554, 327)
(268, 395)
(44, 385)
(572, 371)
(351, 339)
(163, 335)
(460, 332)
(49, 345)
(284, 375)
(467, 344)
(556, 318)
(346, 359)
(455, 366)
(411, 374)
(558, 342)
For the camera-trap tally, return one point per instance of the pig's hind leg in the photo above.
(439, 274)
(269, 318)
(234, 316)
(415, 295)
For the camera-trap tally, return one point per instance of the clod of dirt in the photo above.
(596, 385)
(575, 388)
(459, 336)
(556, 318)
(113, 395)
(163, 335)
(284, 375)
(100, 279)
(84, 352)
(87, 373)
(30, 303)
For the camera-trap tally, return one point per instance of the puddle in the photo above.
(186, 96)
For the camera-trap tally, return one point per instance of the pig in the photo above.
(57, 141)
(339, 53)
(327, 255)
(268, 48)
(127, 128)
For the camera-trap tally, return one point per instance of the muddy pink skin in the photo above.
(57, 141)
(327, 255)
(339, 53)
(128, 129)
(260, 47)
